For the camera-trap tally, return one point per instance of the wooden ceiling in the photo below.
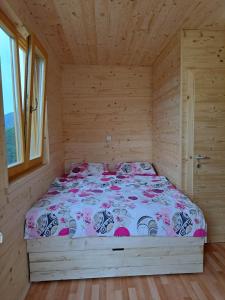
(123, 32)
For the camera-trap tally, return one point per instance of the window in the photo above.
(11, 99)
(37, 67)
(22, 74)
(37, 105)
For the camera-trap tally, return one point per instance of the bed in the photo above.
(95, 222)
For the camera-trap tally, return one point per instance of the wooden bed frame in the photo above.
(60, 258)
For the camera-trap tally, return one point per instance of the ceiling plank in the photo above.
(119, 32)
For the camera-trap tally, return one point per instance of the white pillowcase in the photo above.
(86, 169)
(135, 168)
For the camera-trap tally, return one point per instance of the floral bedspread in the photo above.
(113, 205)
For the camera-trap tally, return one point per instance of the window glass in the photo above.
(37, 115)
(11, 98)
(22, 58)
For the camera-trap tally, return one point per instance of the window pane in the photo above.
(22, 57)
(10, 93)
(37, 106)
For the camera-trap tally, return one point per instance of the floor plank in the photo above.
(209, 285)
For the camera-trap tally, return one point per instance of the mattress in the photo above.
(114, 205)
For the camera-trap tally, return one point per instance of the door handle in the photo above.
(200, 157)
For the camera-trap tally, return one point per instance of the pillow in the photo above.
(136, 168)
(86, 169)
(96, 168)
(78, 169)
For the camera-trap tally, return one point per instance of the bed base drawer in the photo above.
(63, 258)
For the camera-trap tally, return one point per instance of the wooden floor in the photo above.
(208, 285)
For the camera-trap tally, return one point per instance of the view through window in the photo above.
(22, 58)
(11, 98)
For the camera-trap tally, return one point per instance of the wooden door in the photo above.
(206, 140)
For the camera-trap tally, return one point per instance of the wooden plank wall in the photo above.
(166, 112)
(17, 198)
(105, 100)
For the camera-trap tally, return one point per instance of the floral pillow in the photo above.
(86, 169)
(136, 168)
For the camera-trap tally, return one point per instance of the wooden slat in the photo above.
(64, 244)
(131, 252)
(114, 262)
(116, 272)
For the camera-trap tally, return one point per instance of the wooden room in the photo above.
(112, 149)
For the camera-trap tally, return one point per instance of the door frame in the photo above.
(188, 139)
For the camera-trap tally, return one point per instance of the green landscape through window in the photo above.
(10, 94)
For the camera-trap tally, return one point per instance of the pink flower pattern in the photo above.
(108, 204)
